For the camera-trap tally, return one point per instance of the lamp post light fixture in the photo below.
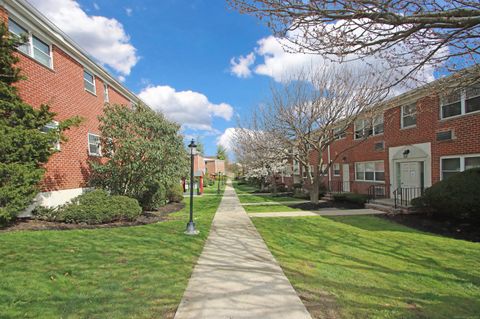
(191, 225)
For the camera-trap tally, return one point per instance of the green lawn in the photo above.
(367, 267)
(129, 272)
(247, 195)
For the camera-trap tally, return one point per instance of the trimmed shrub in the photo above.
(456, 197)
(175, 194)
(97, 207)
(352, 198)
(154, 197)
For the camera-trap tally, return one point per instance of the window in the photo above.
(336, 169)
(323, 170)
(370, 171)
(409, 115)
(52, 126)
(106, 98)
(94, 147)
(339, 133)
(444, 136)
(17, 30)
(36, 48)
(452, 165)
(379, 146)
(461, 102)
(472, 99)
(367, 127)
(89, 81)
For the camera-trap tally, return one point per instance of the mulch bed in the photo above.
(447, 228)
(159, 215)
(328, 204)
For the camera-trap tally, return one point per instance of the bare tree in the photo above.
(407, 34)
(307, 113)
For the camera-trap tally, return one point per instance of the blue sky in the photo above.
(198, 61)
(185, 45)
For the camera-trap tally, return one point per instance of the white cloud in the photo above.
(191, 109)
(226, 139)
(103, 38)
(129, 11)
(280, 64)
(241, 66)
(96, 6)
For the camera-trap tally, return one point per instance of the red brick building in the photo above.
(62, 75)
(421, 138)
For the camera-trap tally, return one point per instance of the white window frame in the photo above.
(403, 115)
(374, 171)
(462, 161)
(334, 169)
(30, 48)
(368, 124)
(99, 154)
(463, 99)
(52, 126)
(85, 70)
(106, 94)
(341, 135)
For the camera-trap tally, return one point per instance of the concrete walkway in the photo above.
(321, 212)
(236, 275)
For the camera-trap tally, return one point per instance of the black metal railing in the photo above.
(378, 191)
(403, 195)
(340, 186)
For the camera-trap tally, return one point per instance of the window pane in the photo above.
(451, 110)
(379, 176)
(379, 167)
(409, 109)
(369, 176)
(451, 164)
(370, 167)
(87, 76)
(360, 176)
(360, 167)
(41, 57)
(472, 91)
(409, 120)
(472, 105)
(379, 128)
(94, 139)
(447, 174)
(40, 45)
(14, 28)
(472, 162)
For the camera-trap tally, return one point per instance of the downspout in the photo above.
(329, 168)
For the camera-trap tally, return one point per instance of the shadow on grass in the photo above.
(375, 268)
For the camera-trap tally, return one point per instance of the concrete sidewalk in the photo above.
(321, 212)
(236, 275)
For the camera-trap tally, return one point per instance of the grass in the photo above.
(247, 195)
(129, 272)
(367, 267)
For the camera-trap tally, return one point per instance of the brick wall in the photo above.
(62, 88)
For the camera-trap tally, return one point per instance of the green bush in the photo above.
(456, 197)
(154, 197)
(175, 194)
(97, 207)
(352, 198)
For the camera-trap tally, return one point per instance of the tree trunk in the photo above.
(314, 190)
(274, 184)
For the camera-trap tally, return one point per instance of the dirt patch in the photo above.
(321, 305)
(447, 228)
(159, 215)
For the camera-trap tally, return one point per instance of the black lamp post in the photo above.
(218, 183)
(191, 225)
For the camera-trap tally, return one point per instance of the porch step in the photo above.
(384, 208)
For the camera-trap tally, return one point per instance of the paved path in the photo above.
(322, 212)
(236, 275)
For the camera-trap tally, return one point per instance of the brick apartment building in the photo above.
(421, 138)
(62, 75)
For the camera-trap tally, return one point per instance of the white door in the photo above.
(410, 174)
(346, 177)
